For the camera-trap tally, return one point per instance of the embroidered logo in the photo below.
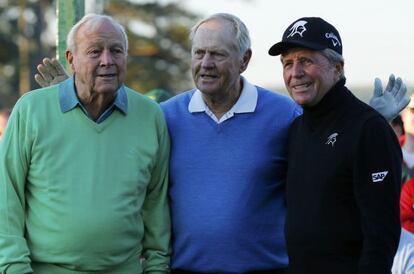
(331, 139)
(298, 28)
(334, 39)
(379, 176)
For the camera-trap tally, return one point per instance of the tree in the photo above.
(23, 25)
(159, 50)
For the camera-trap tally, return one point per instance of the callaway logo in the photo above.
(379, 176)
(331, 139)
(298, 28)
(334, 39)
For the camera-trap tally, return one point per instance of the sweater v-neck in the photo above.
(98, 127)
(222, 126)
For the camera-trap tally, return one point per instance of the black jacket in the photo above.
(343, 185)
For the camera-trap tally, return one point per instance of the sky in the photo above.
(377, 36)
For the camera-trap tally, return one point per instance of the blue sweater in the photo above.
(227, 184)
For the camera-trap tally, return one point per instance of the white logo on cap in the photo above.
(298, 28)
(334, 39)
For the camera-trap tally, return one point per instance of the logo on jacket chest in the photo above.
(332, 139)
(379, 176)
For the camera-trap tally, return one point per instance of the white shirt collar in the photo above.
(246, 103)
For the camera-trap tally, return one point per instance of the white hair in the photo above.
(93, 20)
(243, 41)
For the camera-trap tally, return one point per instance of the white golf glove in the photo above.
(392, 100)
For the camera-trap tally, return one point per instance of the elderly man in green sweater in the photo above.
(83, 169)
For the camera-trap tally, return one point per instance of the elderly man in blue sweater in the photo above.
(228, 157)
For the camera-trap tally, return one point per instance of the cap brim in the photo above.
(281, 47)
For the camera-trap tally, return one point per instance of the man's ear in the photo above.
(339, 67)
(245, 60)
(69, 59)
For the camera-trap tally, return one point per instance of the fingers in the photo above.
(44, 72)
(390, 84)
(377, 87)
(397, 87)
(404, 103)
(39, 79)
(401, 95)
(58, 67)
(50, 68)
(50, 71)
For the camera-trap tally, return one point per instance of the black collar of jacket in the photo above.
(326, 108)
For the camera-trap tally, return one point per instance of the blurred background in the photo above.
(377, 38)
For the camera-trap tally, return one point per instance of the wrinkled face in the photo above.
(308, 75)
(99, 60)
(216, 63)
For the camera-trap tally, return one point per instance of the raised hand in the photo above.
(392, 100)
(51, 72)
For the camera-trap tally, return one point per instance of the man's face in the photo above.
(99, 60)
(308, 75)
(215, 60)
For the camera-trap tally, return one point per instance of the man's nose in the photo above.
(106, 58)
(297, 69)
(207, 60)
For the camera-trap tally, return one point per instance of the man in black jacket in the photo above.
(344, 163)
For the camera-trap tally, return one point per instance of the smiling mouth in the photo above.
(302, 86)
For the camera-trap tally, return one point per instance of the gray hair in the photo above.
(93, 20)
(243, 41)
(333, 58)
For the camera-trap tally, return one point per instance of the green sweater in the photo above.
(80, 196)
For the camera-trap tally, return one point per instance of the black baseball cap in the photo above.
(309, 32)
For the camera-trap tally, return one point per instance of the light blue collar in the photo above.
(69, 100)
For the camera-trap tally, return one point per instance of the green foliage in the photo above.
(159, 50)
(22, 27)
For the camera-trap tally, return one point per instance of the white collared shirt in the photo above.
(246, 103)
